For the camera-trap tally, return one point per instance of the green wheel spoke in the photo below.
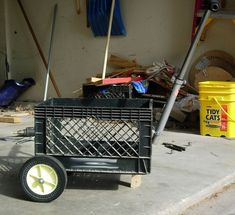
(50, 184)
(52, 171)
(35, 184)
(34, 177)
(39, 171)
(42, 188)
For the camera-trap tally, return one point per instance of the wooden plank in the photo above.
(15, 114)
(122, 62)
(128, 72)
(10, 119)
(20, 114)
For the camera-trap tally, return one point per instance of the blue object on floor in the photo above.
(12, 89)
(98, 17)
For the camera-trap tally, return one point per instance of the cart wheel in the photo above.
(43, 178)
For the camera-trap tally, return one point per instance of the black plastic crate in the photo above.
(110, 91)
(96, 135)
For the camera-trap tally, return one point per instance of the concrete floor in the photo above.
(177, 181)
(221, 203)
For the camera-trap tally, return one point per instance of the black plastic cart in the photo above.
(90, 136)
(96, 135)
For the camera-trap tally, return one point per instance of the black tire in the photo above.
(58, 171)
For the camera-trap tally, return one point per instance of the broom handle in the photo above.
(39, 47)
(108, 40)
(50, 52)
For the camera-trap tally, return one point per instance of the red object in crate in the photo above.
(124, 80)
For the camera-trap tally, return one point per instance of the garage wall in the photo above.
(220, 35)
(157, 29)
(2, 43)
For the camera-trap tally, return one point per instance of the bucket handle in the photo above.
(229, 116)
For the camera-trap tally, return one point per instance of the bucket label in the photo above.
(213, 115)
(224, 119)
(216, 118)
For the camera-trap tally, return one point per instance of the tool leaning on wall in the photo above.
(213, 6)
(52, 78)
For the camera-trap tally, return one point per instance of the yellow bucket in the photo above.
(217, 114)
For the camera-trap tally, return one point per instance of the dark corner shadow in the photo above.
(9, 176)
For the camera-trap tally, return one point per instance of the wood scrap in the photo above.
(93, 80)
(122, 62)
(24, 108)
(9, 119)
(22, 114)
(127, 72)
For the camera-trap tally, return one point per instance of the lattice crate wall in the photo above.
(96, 128)
(92, 137)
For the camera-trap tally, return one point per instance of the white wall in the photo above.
(157, 29)
(2, 43)
(220, 35)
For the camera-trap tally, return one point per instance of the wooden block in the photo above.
(135, 181)
(10, 119)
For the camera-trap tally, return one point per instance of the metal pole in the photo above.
(108, 40)
(180, 79)
(38, 47)
(50, 51)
